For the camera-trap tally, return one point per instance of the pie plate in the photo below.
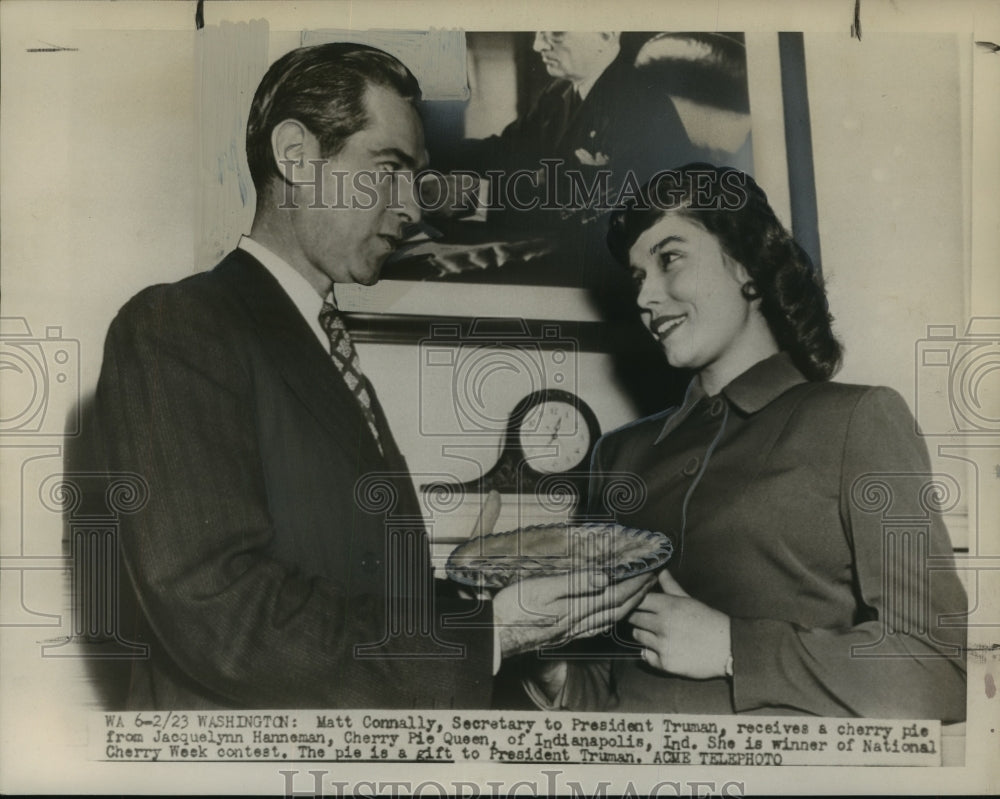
(499, 559)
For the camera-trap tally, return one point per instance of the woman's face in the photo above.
(691, 301)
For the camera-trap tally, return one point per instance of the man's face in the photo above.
(367, 194)
(573, 55)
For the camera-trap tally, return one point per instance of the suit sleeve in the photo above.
(175, 406)
(520, 144)
(904, 656)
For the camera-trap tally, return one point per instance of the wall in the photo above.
(887, 138)
(890, 129)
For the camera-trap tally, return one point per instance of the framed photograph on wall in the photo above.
(533, 167)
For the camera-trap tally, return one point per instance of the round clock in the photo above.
(548, 432)
(553, 431)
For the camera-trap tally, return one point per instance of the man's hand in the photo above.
(681, 635)
(549, 611)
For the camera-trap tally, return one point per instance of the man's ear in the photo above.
(610, 36)
(293, 146)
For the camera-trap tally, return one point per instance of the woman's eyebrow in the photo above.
(664, 242)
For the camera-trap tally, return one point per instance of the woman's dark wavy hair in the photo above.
(732, 207)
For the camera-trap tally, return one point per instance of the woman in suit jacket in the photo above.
(787, 592)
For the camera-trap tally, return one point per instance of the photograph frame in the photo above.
(399, 311)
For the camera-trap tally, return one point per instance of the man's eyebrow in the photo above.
(406, 160)
(664, 242)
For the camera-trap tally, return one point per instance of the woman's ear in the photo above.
(739, 271)
(293, 147)
(736, 269)
(742, 276)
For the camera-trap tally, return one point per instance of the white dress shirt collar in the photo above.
(584, 86)
(298, 289)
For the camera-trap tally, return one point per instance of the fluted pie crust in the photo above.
(499, 559)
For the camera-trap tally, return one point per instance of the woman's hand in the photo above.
(681, 635)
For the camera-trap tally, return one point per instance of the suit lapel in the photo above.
(396, 463)
(292, 347)
(587, 126)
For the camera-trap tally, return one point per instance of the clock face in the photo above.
(554, 437)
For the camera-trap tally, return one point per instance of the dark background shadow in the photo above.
(103, 605)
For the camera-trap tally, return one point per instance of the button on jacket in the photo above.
(835, 610)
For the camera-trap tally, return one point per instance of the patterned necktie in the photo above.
(345, 358)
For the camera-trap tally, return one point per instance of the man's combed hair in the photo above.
(323, 87)
(733, 208)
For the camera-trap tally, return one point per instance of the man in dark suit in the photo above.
(597, 113)
(281, 560)
(591, 138)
